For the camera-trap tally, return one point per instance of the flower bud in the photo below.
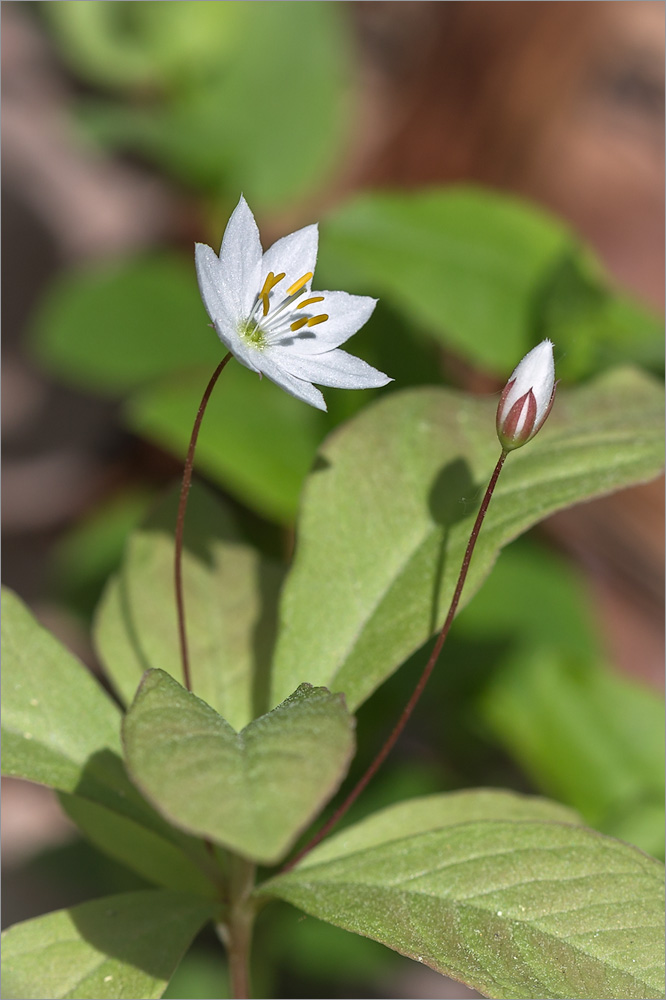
(527, 397)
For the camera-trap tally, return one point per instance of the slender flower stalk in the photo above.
(523, 408)
(180, 521)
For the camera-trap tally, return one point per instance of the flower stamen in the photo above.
(298, 324)
(316, 320)
(309, 302)
(297, 285)
(270, 282)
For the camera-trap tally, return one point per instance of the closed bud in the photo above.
(527, 397)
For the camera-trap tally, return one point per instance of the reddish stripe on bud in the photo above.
(518, 425)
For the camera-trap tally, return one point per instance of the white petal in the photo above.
(209, 276)
(208, 273)
(536, 372)
(271, 368)
(295, 255)
(346, 314)
(243, 352)
(335, 368)
(240, 261)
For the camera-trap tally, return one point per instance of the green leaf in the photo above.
(256, 439)
(253, 792)
(143, 45)
(297, 64)
(218, 88)
(120, 947)
(116, 325)
(62, 730)
(432, 812)
(387, 512)
(230, 601)
(526, 908)
(585, 736)
(59, 726)
(488, 274)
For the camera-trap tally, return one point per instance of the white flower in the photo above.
(527, 397)
(266, 314)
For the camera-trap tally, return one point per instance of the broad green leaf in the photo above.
(120, 947)
(387, 512)
(488, 274)
(116, 325)
(253, 791)
(230, 603)
(526, 908)
(255, 439)
(60, 729)
(585, 735)
(432, 812)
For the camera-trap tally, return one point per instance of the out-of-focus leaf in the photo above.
(513, 908)
(115, 326)
(230, 602)
(120, 947)
(533, 595)
(224, 76)
(95, 40)
(594, 328)
(585, 736)
(253, 791)
(202, 974)
(389, 506)
(217, 135)
(84, 558)
(489, 275)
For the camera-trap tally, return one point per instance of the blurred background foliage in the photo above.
(493, 173)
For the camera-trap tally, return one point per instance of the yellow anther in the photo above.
(264, 302)
(308, 302)
(298, 324)
(270, 283)
(317, 319)
(297, 285)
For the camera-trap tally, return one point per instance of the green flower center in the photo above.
(252, 334)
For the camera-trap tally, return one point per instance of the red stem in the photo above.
(180, 521)
(418, 690)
